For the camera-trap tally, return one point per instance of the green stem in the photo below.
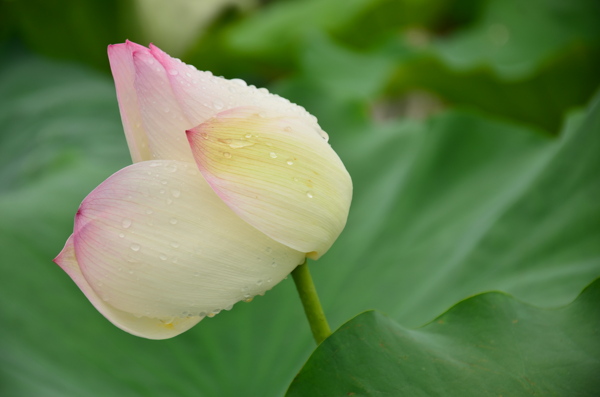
(310, 300)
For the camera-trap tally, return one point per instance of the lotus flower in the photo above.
(231, 188)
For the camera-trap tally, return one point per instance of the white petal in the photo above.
(154, 240)
(277, 173)
(121, 65)
(151, 328)
(163, 121)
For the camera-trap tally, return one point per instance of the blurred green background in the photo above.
(471, 130)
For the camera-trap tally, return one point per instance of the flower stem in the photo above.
(310, 300)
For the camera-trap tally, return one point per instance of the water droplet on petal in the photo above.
(121, 235)
(309, 195)
(290, 162)
(148, 212)
(273, 155)
(259, 282)
(173, 221)
(239, 82)
(288, 129)
(227, 155)
(218, 105)
(163, 257)
(173, 72)
(175, 245)
(176, 193)
(248, 135)
(126, 223)
(135, 247)
(239, 143)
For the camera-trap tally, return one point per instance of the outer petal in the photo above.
(201, 95)
(276, 173)
(163, 121)
(155, 241)
(121, 64)
(147, 327)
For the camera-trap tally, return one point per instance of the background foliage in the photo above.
(471, 132)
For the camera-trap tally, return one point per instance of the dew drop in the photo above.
(148, 212)
(204, 135)
(173, 221)
(126, 223)
(273, 155)
(248, 135)
(218, 105)
(259, 282)
(296, 179)
(274, 264)
(176, 193)
(163, 182)
(196, 274)
(248, 300)
(239, 82)
(169, 201)
(163, 257)
(173, 72)
(309, 195)
(239, 143)
(121, 235)
(268, 250)
(290, 162)
(227, 155)
(162, 191)
(135, 247)
(175, 245)
(288, 129)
